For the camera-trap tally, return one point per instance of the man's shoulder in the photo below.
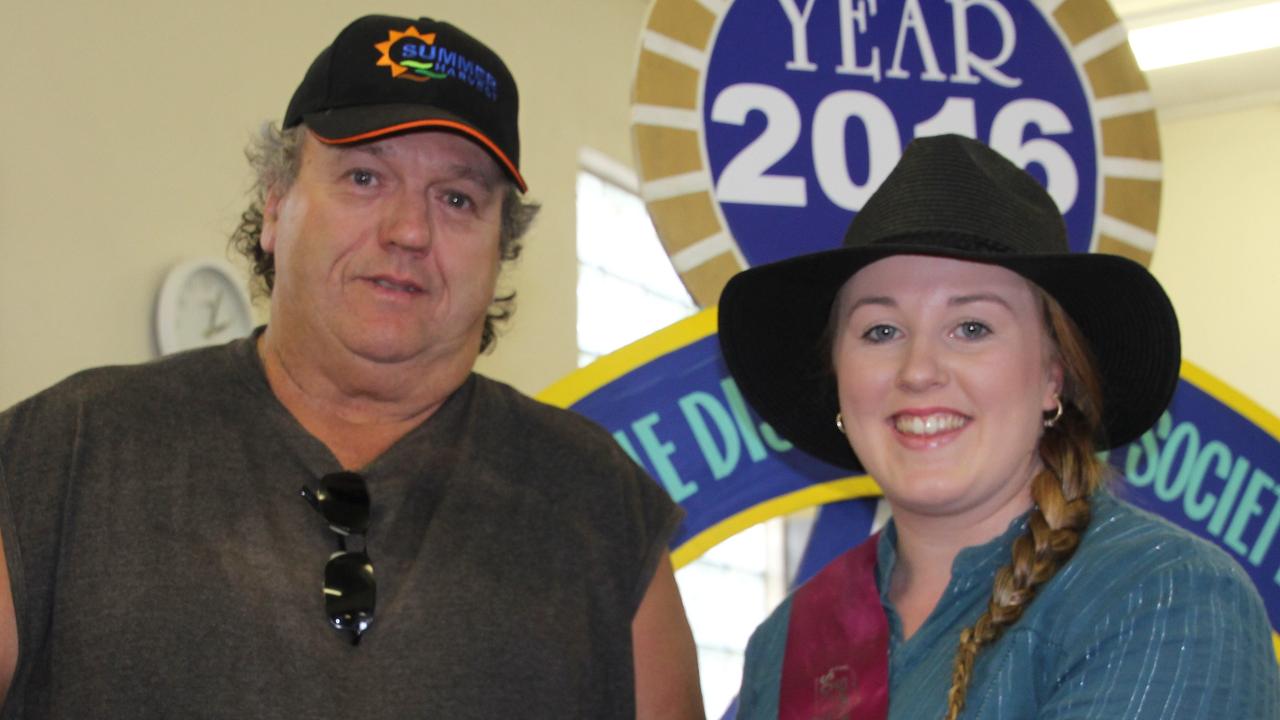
(539, 421)
(122, 389)
(523, 432)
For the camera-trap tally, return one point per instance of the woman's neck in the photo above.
(927, 547)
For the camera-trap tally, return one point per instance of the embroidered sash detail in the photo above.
(836, 665)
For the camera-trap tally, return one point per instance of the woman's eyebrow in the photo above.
(979, 297)
(881, 300)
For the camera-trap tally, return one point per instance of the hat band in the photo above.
(948, 240)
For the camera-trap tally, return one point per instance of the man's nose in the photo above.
(408, 223)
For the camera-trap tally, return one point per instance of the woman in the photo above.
(956, 351)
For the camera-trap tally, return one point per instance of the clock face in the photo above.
(202, 303)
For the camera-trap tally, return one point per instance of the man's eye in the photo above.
(972, 330)
(362, 178)
(458, 201)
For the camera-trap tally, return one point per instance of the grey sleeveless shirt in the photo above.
(163, 564)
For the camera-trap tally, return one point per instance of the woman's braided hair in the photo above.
(1060, 491)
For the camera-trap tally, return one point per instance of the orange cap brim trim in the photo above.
(451, 125)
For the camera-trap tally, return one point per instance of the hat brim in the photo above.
(368, 122)
(773, 322)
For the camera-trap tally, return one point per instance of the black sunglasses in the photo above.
(349, 589)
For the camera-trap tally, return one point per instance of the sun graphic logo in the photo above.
(410, 55)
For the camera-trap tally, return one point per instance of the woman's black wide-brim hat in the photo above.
(953, 197)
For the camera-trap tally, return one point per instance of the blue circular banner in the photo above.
(808, 105)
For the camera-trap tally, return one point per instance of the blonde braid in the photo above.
(1060, 490)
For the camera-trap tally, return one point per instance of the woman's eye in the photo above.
(880, 333)
(363, 178)
(972, 329)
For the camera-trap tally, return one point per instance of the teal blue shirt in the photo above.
(1145, 621)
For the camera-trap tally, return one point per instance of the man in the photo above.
(481, 555)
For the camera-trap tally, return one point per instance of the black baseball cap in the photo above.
(384, 75)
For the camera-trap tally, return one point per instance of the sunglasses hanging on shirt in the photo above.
(349, 588)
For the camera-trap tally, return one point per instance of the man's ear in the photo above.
(270, 216)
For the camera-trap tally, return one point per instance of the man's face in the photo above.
(387, 250)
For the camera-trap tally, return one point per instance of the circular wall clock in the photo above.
(201, 302)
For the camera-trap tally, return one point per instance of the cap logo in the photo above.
(411, 55)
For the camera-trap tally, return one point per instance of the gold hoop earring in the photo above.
(1050, 422)
(840, 423)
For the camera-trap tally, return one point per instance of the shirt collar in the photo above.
(976, 562)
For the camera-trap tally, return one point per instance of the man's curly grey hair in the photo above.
(274, 155)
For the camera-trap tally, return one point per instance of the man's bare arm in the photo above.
(666, 660)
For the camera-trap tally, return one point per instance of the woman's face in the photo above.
(944, 370)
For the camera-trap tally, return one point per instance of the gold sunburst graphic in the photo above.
(416, 70)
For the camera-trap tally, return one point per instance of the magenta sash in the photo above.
(836, 665)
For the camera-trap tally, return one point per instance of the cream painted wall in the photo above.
(1218, 253)
(124, 124)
